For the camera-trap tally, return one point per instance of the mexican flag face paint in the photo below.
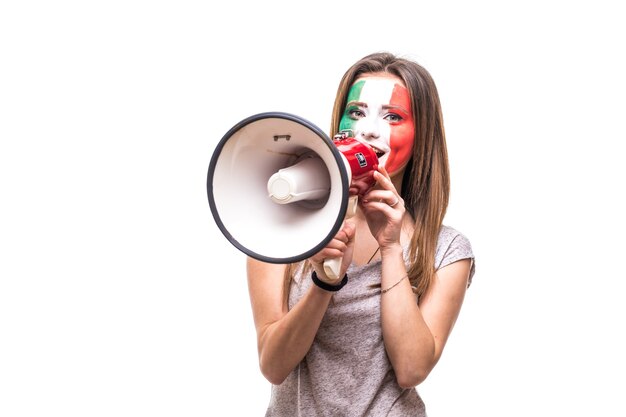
(378, 111)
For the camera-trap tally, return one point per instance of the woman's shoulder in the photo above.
(452, 246)
(448, 234)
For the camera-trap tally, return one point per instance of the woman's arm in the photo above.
(415, 334)
(284, 336)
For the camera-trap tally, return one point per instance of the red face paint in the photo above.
(402, 132)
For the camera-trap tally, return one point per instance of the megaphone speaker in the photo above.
(279, 188)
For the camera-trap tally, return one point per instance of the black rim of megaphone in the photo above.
(338, 159)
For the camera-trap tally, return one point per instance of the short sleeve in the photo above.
(453, 246)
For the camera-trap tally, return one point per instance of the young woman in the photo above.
(359, 346)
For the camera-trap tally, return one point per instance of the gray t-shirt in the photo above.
(346, 371)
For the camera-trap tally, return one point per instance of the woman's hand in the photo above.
(384, 210)
(342, 246)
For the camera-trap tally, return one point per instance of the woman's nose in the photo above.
(369, 129)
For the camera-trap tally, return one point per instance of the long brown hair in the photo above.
(426, 182)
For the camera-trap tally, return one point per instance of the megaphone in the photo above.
(279, 188)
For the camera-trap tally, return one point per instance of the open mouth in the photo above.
(378, 152)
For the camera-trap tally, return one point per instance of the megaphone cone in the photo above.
(279, 187)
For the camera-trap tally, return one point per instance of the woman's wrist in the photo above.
(329, 287)
(393, 249)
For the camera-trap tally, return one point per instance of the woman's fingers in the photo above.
(349, 229)
(384, 181)
(339, 244)
(383, 196)
(382, 177)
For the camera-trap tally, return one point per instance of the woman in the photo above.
(358, 346)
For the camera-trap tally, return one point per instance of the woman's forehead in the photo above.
(380, 77)
(379, 88)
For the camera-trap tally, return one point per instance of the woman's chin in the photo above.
(392, 169)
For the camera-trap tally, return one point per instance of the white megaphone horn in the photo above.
(279, 188)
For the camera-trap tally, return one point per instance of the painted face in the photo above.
(378, 111)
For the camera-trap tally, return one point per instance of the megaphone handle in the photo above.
(332, 266)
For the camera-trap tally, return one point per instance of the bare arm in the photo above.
(285, 336)
(415, 335)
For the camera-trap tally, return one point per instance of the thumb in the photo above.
(349, 228)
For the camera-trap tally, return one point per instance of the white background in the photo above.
(120, 297)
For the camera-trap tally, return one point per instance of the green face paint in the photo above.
(353, 95)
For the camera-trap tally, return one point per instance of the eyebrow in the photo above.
(385, 107)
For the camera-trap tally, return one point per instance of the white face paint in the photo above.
(378, 111)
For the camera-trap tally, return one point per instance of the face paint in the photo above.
(378, 111)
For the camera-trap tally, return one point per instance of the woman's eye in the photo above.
(392, 117)
(356, 113)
